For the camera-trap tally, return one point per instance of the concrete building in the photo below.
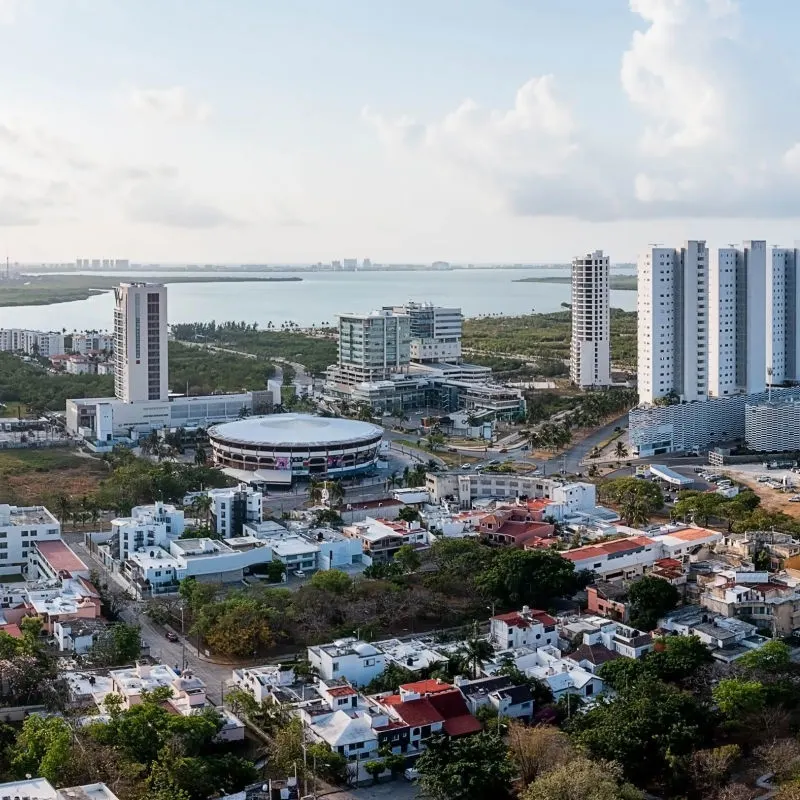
(234, 508)
(31, 343)
(147, 527)
(783, 317)
(590, 353)
(42, 789)
(722, 328)
(372, 346)
(21, 528)
(140, 342)
(772, 426)
(435, 332)
(92, 342)
(526, 628)
(672, 304)
(355, 661)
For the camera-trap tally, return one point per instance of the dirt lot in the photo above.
(771, 500)
(34, 477)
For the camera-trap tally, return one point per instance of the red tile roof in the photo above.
(341, 691)
(607, 548)
(418, 712)
(429, 686)
(462, 726)
(12, 630)
(534, 616)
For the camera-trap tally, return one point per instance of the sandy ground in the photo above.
(771, 499)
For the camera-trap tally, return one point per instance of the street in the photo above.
(174, 654)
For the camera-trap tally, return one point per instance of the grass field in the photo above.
(36, 476)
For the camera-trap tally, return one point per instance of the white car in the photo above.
(298, 573)
(411, 774)
(795, 498)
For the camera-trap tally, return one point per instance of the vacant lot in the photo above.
(35, 477)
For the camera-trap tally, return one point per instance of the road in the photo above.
(174, 654)
(571, 460)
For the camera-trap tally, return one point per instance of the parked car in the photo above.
(298, 573)
(172, 637)
(411, 774)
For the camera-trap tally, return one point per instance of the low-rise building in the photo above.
(498, 692)
(261, 682)
(21, 528)
(514, 526)
(617, 559)
(356, 661)
(526, 628)
(147, 527)
(608, 599)
(381, 539)
(42, 789)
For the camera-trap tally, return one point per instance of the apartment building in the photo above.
(783, 316)
(234, 508)
(672, 304)
(31, 343)
(147, 527)
(140, 342)
(590, 353)
(435, 332)
(21, 528)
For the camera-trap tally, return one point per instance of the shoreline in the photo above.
(620, 283)
(46, 290)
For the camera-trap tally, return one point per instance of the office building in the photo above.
(435, 332)
(372, 347)
(672, 306)
(140, 342)
(590, 352)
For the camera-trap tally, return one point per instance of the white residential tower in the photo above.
(590, 353)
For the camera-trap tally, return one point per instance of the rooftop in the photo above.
(60, 557)
(606, 549)
(18, 516)
(292, 430)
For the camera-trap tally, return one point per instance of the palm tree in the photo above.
(201, 508)
(244, 412)
(474, 653)
(394, 481)
(620, 451)
(200, 456)
(635, 512)
(335, 493)
(63, 504)
(315, 489)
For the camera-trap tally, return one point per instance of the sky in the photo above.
(460, 130)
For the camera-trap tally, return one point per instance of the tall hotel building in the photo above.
(140, 342)
(590, 353)
(672, 305)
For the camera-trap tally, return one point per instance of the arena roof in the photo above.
(295, 430)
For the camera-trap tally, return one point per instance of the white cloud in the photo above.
(9, 11)
(702, 142)
(170, 205)
(173, 104)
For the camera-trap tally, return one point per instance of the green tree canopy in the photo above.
(584, 779)
(473, 768)
(650, 599)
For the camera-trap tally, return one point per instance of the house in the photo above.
(608, 600)
(382, 538)
(356, 661)
(683, 544)
(618, 559)
(78, 635)
(261, 682)
(592, 656)
(514, 526)
(526, 628)
(500, 693)
(54, 560)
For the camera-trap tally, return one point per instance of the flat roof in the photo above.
(295, 430)
(60, 557)
(669, 475)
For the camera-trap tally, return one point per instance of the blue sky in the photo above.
(502, 130)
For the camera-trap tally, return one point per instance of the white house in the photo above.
(616, 559)
(356, 661)
(526, 628)
(260, 681)
(561, 675)
(42, 789)
(147, 527)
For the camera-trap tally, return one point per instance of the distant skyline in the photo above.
(455, 130)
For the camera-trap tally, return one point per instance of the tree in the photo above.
(773, 657)
(119, 643)
(680, 658)
(710, 768)
(650, 599)
(474, 768)
(737, 698)
(201, 508)
(538, 750)
(332, 580)
(637, 499)
(393, 676)
(474, 653)
(527, 577)
(582, 779)
(273, 570)
(646, 730)
(408, 514)
(375, 768)
(407, 558)
(43, 747)
(620, 451)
